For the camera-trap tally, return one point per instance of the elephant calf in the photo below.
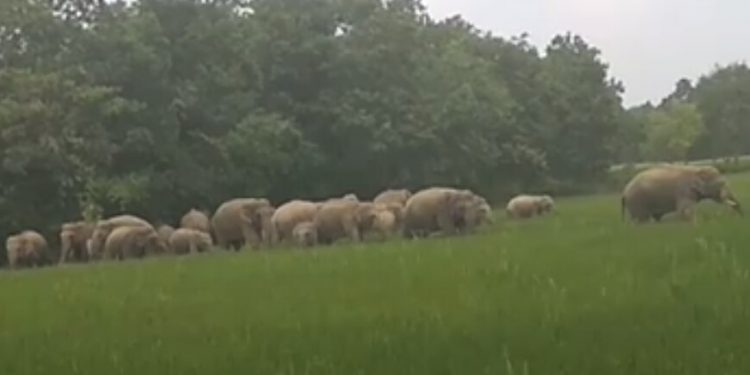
(527, 206)
(189, 241)
(305, 234)
(195, 219)
(73, 238)
(133, 242)
(27, 249)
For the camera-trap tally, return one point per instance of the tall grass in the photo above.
(580, 292)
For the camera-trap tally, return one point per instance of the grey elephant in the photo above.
(138, 241)
(476, 214)
(305, 234)
(526, 206)
(73, 238)
(661, 190)
(195, 219)
(336, 219)
(243, 221)
(391, 196)
(289, 215)
(27, 249)
(389, 219)
(189, 241)
(105, 227)
(165, 232)
(444, 210)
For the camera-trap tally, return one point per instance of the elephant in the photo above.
(478, 214)
(526, 206)
(400, 196)
(305, 234)
(138, 241)
(388, 220)
(195, 219)
(336, 219)
(661, 190)
(189, 241)
(105, 227)
(350, 197)
(73, 238)
(289, 215)
(165, 232)
(27, 249)
(241, 221)
(445, 210)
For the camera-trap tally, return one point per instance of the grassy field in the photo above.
(577, 293)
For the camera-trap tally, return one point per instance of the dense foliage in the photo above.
(156, 106)
(705, 120)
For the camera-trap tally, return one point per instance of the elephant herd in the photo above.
(254, 222)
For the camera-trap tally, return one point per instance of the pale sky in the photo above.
(649, 44)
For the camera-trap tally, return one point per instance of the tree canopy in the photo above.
(156, 106)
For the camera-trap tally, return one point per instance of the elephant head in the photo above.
(256, 221)
(709, 184)
(365, 214)
(545, 204)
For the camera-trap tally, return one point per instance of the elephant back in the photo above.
(197, 220)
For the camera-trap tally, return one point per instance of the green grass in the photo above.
(577, 293)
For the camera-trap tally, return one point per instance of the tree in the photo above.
(723, 99)
(671, 131)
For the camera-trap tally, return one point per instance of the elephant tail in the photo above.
(622, 208)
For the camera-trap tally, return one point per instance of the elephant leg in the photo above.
(250, 236)
(352, 231)
(446, 224)
(657, 217)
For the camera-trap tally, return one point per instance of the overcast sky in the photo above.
(649, 44)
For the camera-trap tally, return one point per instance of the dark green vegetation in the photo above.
(158, 106)
(577, 293)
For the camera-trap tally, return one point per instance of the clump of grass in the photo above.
(580, 292)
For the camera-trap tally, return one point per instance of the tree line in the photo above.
(705, 119)
(154, 107)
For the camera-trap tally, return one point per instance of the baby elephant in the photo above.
(527, 206)
(190, 241)
(133, 242)
(305, 234)
(27, 249)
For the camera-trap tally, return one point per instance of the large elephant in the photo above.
(73, 237)
(243, 221)
(526, 206)
(105, 227)
(195, 219)
(289, 215)
(390, 196)
(133, 242)
(336, 219)
(27, 249)
(661, 190)
(190, 241)
(445, 210)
